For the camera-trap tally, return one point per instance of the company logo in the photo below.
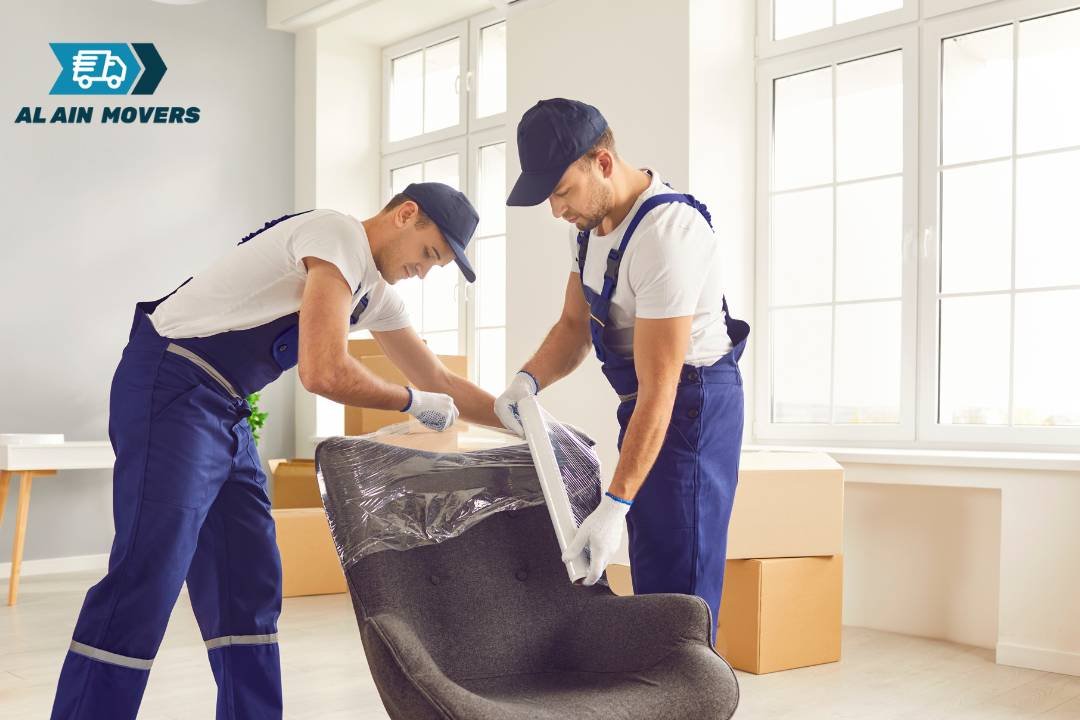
(107, 68)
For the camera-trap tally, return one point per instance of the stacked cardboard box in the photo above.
(361, 421)
(309, 560)
(783, 583)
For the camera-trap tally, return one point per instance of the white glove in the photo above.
(601, 531)
(434, 410)
(522, 386)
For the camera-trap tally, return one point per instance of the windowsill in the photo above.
(938, 458)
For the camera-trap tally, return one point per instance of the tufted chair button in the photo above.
(521, 575)
(434, 579)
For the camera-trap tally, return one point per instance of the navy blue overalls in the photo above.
(679, 520)
(189, 503)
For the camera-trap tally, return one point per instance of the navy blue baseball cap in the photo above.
(452, 212)
(551, 136)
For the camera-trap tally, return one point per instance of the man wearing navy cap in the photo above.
(189, 494)
(646, 292)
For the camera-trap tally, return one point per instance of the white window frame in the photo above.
(416, 155)
(465, 139)
(906, 41)
(768, 47)
(942, 18)
(477, 140)
(476, 24)
(459, 30)
(933, 31)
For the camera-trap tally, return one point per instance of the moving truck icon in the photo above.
(91, 66)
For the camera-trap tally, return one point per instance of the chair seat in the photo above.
(643, 695)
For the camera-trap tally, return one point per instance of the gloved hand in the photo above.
(434, 410)
(522, 386)
(601, 531)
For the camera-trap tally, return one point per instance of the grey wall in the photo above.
(97, 217)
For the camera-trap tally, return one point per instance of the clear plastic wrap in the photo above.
(405, 486)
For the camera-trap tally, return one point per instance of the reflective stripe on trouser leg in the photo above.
(240, 640)
(132, 663)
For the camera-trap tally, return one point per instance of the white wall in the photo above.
(339, 96)
(97, 217)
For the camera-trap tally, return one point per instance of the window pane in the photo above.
(491, 281)
(974, 372)
(442, 343)
(441, 69)
(491, 359)
(492, 195)
(440, 298)
(870, 117)
(491, 88)
(401, 178)
(795, 17)
(445, 170)
(976, 228)
(869, 228)
(977, 74)
(411, 292)
(1046, 386)
(802, 130)
(802, 341)
(867, 363)
(406, 96)
(802, 247)
(1048, 92)
(1048, 220)
(848, 10)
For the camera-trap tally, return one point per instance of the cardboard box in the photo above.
(361, 421)
(309, 560)
(461, 437)
(787, 504)
(776, 614)
(781, 613)
(294, 484)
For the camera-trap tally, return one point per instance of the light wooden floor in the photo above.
(882, 675)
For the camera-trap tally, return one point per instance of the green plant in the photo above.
(258, 417)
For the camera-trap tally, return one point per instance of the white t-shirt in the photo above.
(671, 268)
(263, 279)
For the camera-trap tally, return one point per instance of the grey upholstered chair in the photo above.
(486, 626)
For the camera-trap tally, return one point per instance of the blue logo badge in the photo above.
(107, 68)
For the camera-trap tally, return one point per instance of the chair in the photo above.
(487, 626)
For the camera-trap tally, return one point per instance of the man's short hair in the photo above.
(606, 141)
(400, 199)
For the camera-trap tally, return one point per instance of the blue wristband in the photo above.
(408, 404)
(536, 383)
(616, 498)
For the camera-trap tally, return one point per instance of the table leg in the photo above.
(21, 517)
(5, 480)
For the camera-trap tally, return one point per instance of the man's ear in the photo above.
(606, 161)
(405, 212)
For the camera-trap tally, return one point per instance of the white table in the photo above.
(27, 460)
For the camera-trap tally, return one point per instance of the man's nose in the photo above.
(556, 207)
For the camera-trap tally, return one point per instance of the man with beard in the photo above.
(645, 291)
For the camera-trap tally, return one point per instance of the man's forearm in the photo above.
(350, 383)
(474, 404)
(562, 351)
(644, 437)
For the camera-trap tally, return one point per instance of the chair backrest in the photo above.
(492, 601)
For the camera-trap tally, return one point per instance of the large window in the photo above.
(444, 121)
(882, 318)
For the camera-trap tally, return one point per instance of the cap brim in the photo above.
(461, 259)
(534, 188)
